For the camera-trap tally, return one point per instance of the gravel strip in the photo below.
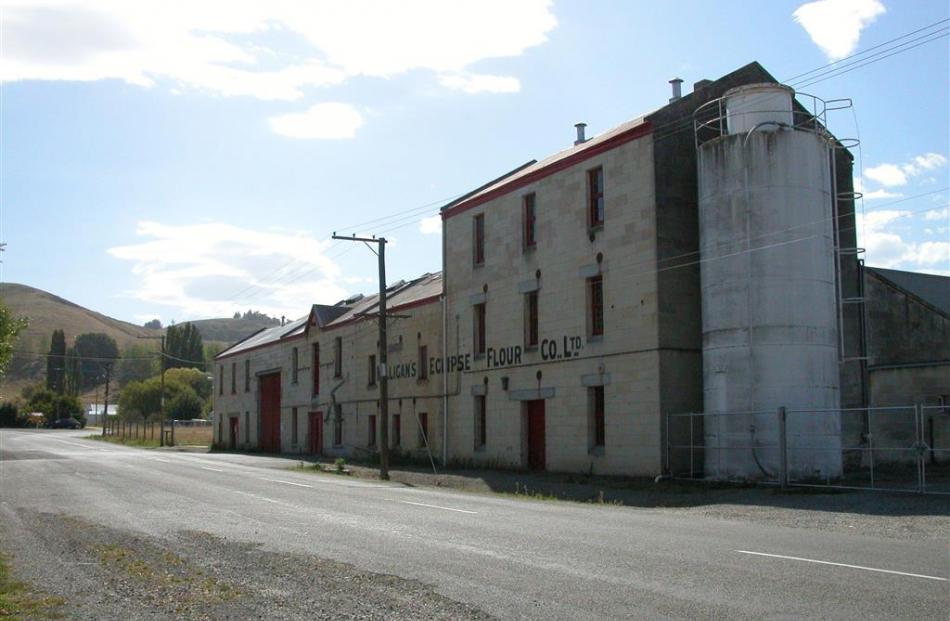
(104, 573)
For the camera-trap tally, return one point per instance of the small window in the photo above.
(247, 427)
(479, 328)
(423, 373)
(316, 369)
(371, 423)
(233, 378)
(595, 194)
(338, 426)
(530, 222)
(595, 295)
(371, 371)
(397, 430)
(481, 431)
(478, 234)
(531, 319)
(247, 376)
(293, 426)
(596, 397)
(221, 380)
(294, 363)
(338, 357)
(423, 430)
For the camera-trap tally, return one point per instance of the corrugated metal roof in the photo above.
(267, 335)
(933, 289)
(402, 294)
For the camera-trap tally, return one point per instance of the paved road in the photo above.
(510, 558)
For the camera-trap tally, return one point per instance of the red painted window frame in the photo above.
(531, 336)
(480, 325)
(423, 373)
(595, 287)
(530, 220)
(598, 406)
(595, 197)
(478, 239)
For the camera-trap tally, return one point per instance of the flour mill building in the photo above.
(699, 258)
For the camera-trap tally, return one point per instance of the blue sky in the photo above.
(187, 160)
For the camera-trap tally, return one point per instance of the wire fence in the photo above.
(158, 433)
(904, 448)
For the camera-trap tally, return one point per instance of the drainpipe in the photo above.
(445, 353)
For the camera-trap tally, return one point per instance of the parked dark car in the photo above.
(65, 423)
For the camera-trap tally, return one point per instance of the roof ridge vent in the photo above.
(581, 138)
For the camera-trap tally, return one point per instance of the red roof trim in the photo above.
(611, 143)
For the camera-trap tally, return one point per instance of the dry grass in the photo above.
(184, 436)
(194, 436)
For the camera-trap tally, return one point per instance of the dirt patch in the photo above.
(103, 573)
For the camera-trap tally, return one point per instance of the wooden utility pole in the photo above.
(382, 374)
(105, 407)
(161, 428)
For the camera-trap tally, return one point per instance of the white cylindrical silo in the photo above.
(768, 292)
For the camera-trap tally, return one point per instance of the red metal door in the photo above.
(536, 434)
(233, 432)
(316, 433)
(270, 413)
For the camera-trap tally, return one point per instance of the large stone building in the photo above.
(568, 321)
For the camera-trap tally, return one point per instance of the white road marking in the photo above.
(212, 469)
(811, 560)
(164, 461)
(420, 504)
(287, 482)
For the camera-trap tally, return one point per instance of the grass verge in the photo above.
(19, 602)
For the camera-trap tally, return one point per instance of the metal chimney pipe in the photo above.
(677, 89)
(580, 133)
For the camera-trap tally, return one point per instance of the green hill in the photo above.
(48, 312)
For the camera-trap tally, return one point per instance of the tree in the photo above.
(96, 351)
(154, 324)
(73, 369)
(184, 347)
(185, 406)
(138, 362)
(198, 381)
(10, 328)
(237, 315)
(9, 415)
(56, 363)
(54, 406)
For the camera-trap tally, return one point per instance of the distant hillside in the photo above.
(230, 330)
(48, 312)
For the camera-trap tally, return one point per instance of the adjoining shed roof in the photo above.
(402, 294)
(932, 289)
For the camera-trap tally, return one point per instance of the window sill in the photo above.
(531, 349)
(595, 338)
(423, 380)
(478, 265)
(597, 451)
(595, 228)
(529, 249)
(480, 356)
(480, 449)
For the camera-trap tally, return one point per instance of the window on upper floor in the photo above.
(294, 364)
(315, 363)
(531, 319)
(338, 357)
(221, 380)
(478, 311)
(478, 239)
(247, 376)
(595, 197)
(371, 371)
(423, 373)
(595, 303)
(530, 221)
(233, 378)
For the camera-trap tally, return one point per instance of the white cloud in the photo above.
(431, 225)
(938, 214)
(209, 270)
(891, 175)
(325, 120)
(835, 25)
(473, 83)
(883, 234)
(269, 50)
(872, 195)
